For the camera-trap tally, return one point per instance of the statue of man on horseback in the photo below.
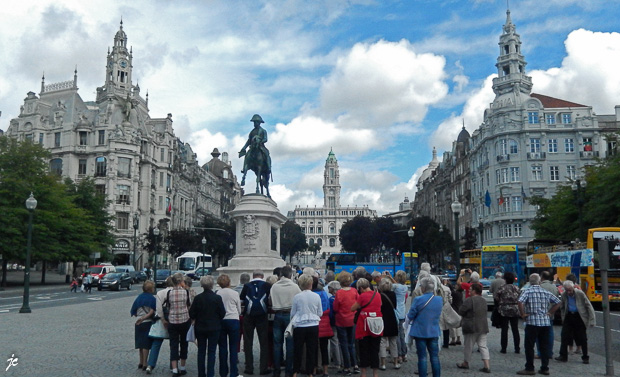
(257, 157)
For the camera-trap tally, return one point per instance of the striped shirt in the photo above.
(536, 302)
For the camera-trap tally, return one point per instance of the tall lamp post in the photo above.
(204, 247)
(456, 209)
(156, 234)
(578, 188)
(31, 204)
(481, 230)
(136, 222)
(410, 233)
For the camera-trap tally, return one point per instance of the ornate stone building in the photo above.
(322, 224)
(527, 145)
(148, 174)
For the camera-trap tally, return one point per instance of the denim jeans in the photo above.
(432, 345)
(229, 337)
(551, 339)
(401, 342)
(346, 338)
(207, 340)
(281, 320)
(154, 353)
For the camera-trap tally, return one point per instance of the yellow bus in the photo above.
(590, 276)
(471, 259)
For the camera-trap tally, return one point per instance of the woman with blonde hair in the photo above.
(306, 314)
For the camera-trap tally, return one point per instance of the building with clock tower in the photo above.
(321, 225)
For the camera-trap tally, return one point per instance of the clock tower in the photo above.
(331, 182)
(118, 66)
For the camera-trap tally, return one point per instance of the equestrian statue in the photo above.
(257, 157)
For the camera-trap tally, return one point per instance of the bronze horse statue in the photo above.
(255, 161)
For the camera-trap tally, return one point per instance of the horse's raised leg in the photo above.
(266, 184)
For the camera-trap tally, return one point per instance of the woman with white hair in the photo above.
(178, 322)
(424, 316)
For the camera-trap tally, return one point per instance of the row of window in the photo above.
(549, 118)
(506, 147)
(319, 241)
(512, 174)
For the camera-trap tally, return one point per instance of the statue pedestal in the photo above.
(258, 222)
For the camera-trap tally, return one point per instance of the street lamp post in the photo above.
(156, 234)
(204, 246)
(456, 209)
(136, 221)
(443, 255)
(31, 204)
(481, 230)
(578, 188)
(410, 233)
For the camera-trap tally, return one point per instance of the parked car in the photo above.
(141, 277)
(200, 272)
(161, 276)
(130, 270)
(115, 281)
(488, 296)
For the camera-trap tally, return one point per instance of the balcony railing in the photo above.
(536, 155)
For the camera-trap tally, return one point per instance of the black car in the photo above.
(160, 278)
(115, 281)
(200, 272)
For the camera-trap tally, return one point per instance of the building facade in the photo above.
(149, 175)
(527, 145)
(322, 225)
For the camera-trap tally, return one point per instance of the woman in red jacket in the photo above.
(325, 328)
(345, 298)
(369, 305)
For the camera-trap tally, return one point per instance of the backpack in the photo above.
(256, 299)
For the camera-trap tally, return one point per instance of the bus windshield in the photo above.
(502, 258)
(187, 263)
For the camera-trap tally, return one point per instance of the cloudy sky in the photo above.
(381, 82)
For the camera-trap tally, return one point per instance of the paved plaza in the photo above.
(96, 339)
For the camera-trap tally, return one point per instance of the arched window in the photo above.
(100, 167)
(56, 166)
(332, 228)
(319, 241)
(311, 241)
(332, 242)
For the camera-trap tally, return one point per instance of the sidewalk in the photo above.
(15, 279)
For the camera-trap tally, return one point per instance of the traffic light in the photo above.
(608, 254)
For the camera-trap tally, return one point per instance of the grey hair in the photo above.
(534, 279)
(188, 281)
(330, 276)
(244, 278)
(177, 278)
(568, 284)
(498, 274)
(385, 285)
(206, 282)
(425, 267)
(423, 274)
(308, 271)
(335, 285)
(427, 284)
(258, 272)
(474, 277)
(359, 272)
(362, 283)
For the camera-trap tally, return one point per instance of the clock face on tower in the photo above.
(123, 63)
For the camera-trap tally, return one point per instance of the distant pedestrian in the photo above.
(207, 312)
(424, 316)
(88, 283)
(534, 309)
(244, 278)
(229, 335)
(255, 295)
(577, 317)
(305, 315)
(475, 327)
(400, 290)
(507, 298)
(144, 307)
(178, 323)
(74, 285)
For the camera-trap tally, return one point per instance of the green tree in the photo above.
(357, 236)
(292, 239)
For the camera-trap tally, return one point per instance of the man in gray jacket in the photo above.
(282, 293)
(577, 316)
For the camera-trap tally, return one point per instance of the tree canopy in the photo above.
(292, 239)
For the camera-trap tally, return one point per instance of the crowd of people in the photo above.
(305, 322)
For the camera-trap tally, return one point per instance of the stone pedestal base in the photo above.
(256, 217)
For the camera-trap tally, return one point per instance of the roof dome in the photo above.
(463, 136)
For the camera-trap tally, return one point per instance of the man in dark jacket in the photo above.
(207, 312)
(254, 296)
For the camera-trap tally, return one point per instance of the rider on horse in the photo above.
(261, 134)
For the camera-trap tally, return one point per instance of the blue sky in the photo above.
(380, 82)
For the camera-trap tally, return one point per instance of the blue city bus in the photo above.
(504, 258)
(339, 262)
